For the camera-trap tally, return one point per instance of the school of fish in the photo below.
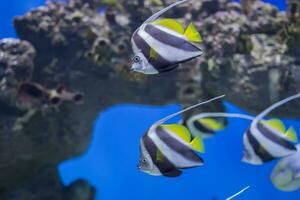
(161, 45)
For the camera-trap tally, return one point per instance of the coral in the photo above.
(250, 55)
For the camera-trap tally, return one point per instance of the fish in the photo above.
(264, 140)
(286, 174)
(268, 140)
(34, 94)
(165, 149)
(160, 45)
(205, 127)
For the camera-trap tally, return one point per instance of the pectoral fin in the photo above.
(153, 54)
(159, 156)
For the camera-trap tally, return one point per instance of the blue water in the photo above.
(110, 162)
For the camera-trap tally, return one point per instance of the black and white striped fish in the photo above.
(165, 149)
(266, 141)
(160, 45)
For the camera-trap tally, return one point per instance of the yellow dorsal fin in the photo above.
(192, 34)
(159, 156)
(276, 124)
(197, 144)
(211, 124)
(179, 130)
(170, 24)
(291, 134)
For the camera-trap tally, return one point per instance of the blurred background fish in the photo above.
(264, 142)
(286, 174)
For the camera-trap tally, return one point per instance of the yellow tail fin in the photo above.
(192, 34)
(197, 144)
(291, 134)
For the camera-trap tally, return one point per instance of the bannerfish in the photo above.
(206, 127)
(286, 174)
(257, 149)
(167, 148)
(266, 141)
(159, 45)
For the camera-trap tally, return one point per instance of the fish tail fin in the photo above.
(198, 144)
(291, 134)
(192, 34)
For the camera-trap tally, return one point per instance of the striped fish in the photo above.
(166, 149)
(206, 127)
(265, 141)
(286, 174)
(160, 45)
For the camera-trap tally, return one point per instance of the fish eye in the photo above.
(144, 160)
(136, 59)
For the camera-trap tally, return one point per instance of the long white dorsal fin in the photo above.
(272, 107)
(161, 121)
(221, 114)
(159, 13)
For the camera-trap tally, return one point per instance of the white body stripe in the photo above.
(168, 52)
(175, 158)
(272, 148)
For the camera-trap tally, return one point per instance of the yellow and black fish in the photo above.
(166, 149)
(159, 45)
(267, 140)
(205, 126)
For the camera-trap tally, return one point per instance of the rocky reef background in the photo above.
(250, 55)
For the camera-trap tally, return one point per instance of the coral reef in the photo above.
(250, 55)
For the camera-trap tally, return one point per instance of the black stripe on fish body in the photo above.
(170, 39)
(268, 133)
(166, 168)
(202, 128)
(160, 64)
(259, 150)
(177, 146)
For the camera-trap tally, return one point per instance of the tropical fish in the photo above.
(286, 174)
(167, 148)
(267, 140)
(159, 45)
(257, 148)
(206, 127)
(34, 94)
